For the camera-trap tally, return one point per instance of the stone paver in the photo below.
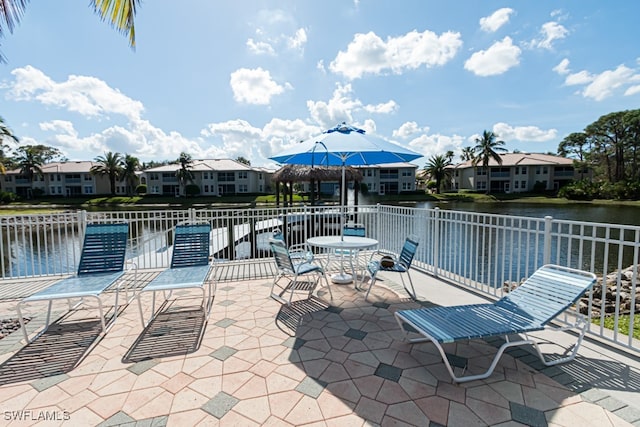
(342, 363)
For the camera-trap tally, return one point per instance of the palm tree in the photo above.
(29, 160)
(118, 13)
(487, 148)
(130, 165)
(110, 165)
(5, 133)
(438, 169)
(184, 174)
(466, 154)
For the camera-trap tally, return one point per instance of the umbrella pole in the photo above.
(342, 200)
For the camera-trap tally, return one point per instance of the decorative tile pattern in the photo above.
(311, 387)
(220, 404)
(344, 363)
(527, 416)
(355, 334)
(388, 372)
(225, 323)
(223, 353)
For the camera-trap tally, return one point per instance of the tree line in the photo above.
(607, 153)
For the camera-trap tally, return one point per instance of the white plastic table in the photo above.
(345, 243)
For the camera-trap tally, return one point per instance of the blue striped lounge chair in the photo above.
(190, 269)
(531, 307)
(101, 265)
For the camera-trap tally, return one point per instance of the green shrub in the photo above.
(141, 189)
(7, 197)
(192, 190)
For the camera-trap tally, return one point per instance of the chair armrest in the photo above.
(381, 253)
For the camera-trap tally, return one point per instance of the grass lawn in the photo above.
(623, 324)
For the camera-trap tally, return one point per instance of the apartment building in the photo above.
(389, 178)
(71, 178)
(518, 173)
(214, 177)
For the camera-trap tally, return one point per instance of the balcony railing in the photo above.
(470, 249)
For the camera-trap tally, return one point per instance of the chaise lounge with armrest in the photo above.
(531, 307)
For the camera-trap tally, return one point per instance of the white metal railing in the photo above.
(475, 250)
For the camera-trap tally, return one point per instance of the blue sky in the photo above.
(250, 78)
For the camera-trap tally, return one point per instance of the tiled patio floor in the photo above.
(317, 363)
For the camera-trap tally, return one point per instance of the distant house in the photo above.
(519, 172)
(388, 178)
(71, 178)
(214, 177)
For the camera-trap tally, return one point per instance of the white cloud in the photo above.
(499, 58)
(408, 129)
(298, 40)
(509, 133)
(604, 83)
(550, 32)
(384, 108)
(579, 78)
(260, 47)
(563, 67)
(254, 86)
(436, 144)
(496, 20)
(88, 96)
(342, 106)
(63, 126)
(369, 54)
(276, 31)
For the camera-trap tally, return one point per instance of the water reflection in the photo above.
(626, 215)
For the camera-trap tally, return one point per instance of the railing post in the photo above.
(378, 221)
(436, 240)
(546, 256)
(305, 234)
(192, 215)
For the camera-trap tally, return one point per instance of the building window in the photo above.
(523, 171)
(517, 172)
(481, 185)
(523, 185)
(545, 170)
(243, 175)
(153, 176)
(226, 177)
(515, 184)
(406, 186)
(88, 189)
(243, 188)
(481, 171)
(406, 173)
(88, 177)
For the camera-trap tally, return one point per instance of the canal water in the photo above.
(607, 214)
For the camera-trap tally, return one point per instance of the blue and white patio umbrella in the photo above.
(345, 145)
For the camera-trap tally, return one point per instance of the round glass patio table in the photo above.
(344, 243)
